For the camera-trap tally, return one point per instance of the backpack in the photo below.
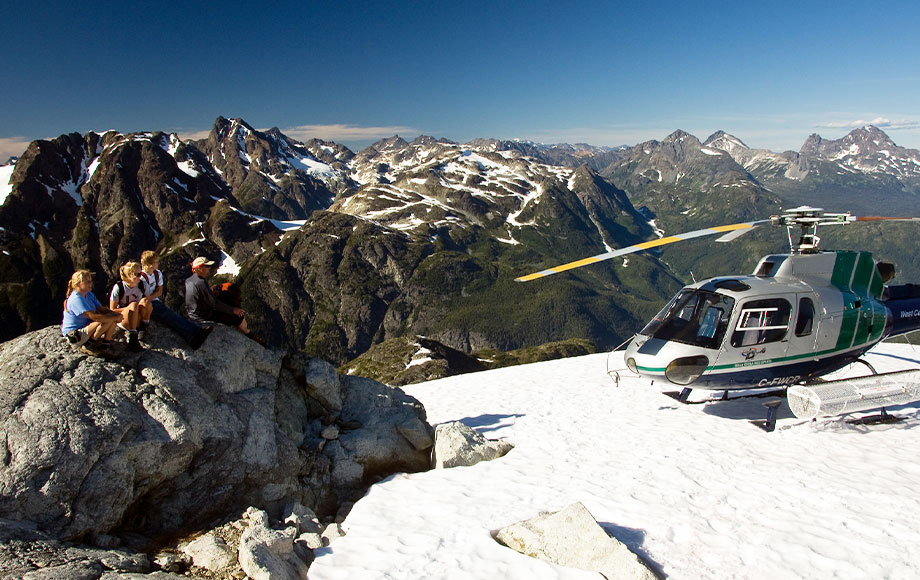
(157, 278)
(120, 285)
(229, 293)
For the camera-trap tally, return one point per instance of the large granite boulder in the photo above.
(572, 537)
(457, 445)
(170, 440)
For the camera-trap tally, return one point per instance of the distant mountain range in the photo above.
(415, 238)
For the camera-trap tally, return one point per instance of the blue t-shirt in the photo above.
(75, 311)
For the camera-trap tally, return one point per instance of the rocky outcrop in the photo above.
(168, 440)
(29, 554)
(407, 360)
(572, 537)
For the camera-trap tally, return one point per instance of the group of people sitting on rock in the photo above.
(135, 300)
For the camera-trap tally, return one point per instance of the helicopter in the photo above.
(797, 317)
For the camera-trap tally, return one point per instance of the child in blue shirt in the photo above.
(85, 318)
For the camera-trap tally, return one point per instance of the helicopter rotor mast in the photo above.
(809, 218)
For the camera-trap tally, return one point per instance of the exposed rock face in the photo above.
(273, 176)
(328, 288)
(31, 555)
(571, 537)
(170, 439)
(407, 360)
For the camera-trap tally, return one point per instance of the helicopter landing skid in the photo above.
(683, 396)
(768, 424)
(882, 418)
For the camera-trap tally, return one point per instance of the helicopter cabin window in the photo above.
(762, 321)
(805, 319)
(695, 317)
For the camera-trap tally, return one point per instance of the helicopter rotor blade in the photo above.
(735, 234)
(874, 218)
(640, 247)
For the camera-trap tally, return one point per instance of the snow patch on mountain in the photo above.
(6, 173)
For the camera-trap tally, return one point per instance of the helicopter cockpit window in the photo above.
(695, 317)
(806, 317)
(762, 321)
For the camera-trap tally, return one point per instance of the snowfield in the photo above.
(696, 490)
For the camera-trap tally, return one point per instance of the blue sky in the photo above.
(606, 73)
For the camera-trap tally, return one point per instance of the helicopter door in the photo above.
(805, 327)
(760, 332)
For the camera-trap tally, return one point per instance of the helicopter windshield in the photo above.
(696, 317)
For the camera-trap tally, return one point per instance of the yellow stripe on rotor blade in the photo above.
(636, 248)
(557, 269)
(733, 227)
(658, 242)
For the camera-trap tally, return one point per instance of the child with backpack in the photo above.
(127, 298)
(152, 284)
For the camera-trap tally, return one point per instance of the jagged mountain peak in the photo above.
(427, 140)
(811, 144)
(866, 149)
(870, 137)
(224, 128)
(725, 141)
(681, 136)
(677, 135)
(389, 144)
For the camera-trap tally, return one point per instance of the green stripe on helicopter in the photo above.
(757, 363)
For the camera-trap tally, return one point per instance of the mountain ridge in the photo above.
(403, 238)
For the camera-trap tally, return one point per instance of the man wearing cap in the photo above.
(202, 306)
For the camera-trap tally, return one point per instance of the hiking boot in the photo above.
(77, 337)
(91, 350)
(96, 350)
(199, 337)
(134, 344)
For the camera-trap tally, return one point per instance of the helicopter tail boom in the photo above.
(903, 304)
